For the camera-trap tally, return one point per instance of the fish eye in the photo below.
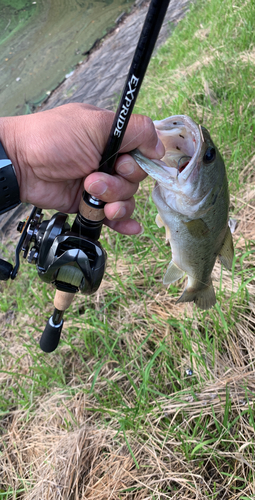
(209, 155)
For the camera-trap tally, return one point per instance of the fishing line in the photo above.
(122, 147)
(71, 257)
(143, 52)
(90, 217)
(87, 221)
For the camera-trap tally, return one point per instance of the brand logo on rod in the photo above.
(129, 97)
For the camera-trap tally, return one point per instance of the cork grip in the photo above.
(91, 213)
(63, 300)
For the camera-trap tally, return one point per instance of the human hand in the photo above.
(54, 151)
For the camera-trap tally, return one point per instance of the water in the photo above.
(42, 41)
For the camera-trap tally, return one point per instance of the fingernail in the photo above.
(120, 213)
(97, 188)
(160, 149)
(125, 167)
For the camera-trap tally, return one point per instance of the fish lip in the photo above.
(196, 130)
(154, 168)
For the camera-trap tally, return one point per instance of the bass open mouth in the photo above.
(181, 138)
(183, 141)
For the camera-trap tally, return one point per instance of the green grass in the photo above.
(119, 377)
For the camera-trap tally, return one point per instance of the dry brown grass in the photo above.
(248, 56)
(93, 463)
(68, 446)
(66, 449)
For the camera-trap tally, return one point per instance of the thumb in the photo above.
(141, 134)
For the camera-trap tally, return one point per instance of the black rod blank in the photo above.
(143, 52)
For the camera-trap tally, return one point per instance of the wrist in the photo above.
(9, 185)
(9, 142)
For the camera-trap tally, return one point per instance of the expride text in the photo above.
(128, 99)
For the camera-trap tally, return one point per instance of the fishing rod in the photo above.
(71, 257)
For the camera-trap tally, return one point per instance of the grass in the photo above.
(146, 399)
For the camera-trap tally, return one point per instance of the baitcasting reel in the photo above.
(64, 258)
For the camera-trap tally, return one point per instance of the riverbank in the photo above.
(42, 42)
(100, 78)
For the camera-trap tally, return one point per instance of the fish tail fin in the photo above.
(204, 298)
(173, 273)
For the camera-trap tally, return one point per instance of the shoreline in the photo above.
(99, 79)
(44, 42)
(96, 45)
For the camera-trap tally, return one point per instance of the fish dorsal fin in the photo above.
(226, 254)
(173, 273)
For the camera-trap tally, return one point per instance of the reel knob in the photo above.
(5, 270)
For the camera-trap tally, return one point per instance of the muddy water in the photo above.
(42, 41)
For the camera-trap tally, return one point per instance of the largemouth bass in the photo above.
(192, 198)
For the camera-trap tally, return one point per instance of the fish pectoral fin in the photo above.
(204, 298)
(226, 254)
(173, 273)
(160, 223)
(197, 228)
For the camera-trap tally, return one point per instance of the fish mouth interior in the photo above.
(180, 144)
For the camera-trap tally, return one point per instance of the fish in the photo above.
(192, 197)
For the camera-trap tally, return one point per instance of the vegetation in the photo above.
(146, 399)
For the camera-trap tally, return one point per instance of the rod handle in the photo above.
(50, 338)
(63, 300)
